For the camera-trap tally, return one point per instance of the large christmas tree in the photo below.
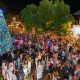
(5, 38)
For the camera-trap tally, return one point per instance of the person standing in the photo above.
(29, 66)
(4, 68)
(14, 77)
(25, 69)
(9, 73)
(39, 71)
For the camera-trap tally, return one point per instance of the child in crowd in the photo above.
(14, 77)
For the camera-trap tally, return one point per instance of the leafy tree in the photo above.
(45, 15)
(49, 16)
(29, 17)
(62, 17)
(38, 17)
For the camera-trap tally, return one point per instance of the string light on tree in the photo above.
(5, 38)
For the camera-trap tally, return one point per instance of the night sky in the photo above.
(15, 6)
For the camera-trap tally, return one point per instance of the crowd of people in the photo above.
(35, 56)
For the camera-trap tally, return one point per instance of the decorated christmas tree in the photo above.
(5, 38)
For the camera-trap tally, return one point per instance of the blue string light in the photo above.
(5, 38)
